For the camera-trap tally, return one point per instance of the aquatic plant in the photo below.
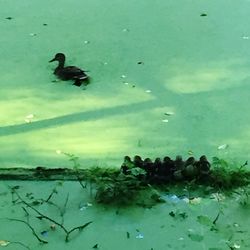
(228, 175)
(42, 216)
(121, 189)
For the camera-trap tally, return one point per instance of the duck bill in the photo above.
(52, 60)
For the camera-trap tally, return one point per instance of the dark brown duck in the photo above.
(69, 72)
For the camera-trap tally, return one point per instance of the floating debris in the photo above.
(203, 14)
(32, 34)
(95, 246)
(9, 18)
(190, 152)
(148, 91)
(218, 196)
(125, 30)
(29, 118)
(86, 42)
(84, 206)
(123, 76)
(223, 146)
(169, 113)
(126, 83)
(128, 235)
(164, 120)
(195, 201)
(195, 236)
(139, 236)
(140, 62)
(53, 227)
(44, 233)
(204, 220)
(174, 198)
(58, 151)
(245, 37)
(4, 243)
(178, 214)
(172, 214)
(236, 246)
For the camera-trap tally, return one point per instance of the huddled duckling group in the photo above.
(165, 170)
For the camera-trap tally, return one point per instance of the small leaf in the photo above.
(4, 243)
(172, 214)
(204, 220)
(128, 235)
(195, 236)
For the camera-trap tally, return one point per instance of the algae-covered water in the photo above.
(194, 67)
(166, 78)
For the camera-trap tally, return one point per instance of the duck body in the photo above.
(69, 72)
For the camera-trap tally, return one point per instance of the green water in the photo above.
(194, 67)
(121, 228)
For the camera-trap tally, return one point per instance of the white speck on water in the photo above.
(181, 238)
(58, 151)
(195, 201)
(139, 236)
(148, 91)
(236, 246)
(32, 34)
(30, 116)
(169, 113)
(245, 37)
(123, 76)
(86, 42)
(165, 120)
(125, 30)
(223, 146)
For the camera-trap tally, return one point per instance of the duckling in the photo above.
(204, 165)
(69, 72)
(127, 165)
(190, 171)
(138, 162)
(179, 163)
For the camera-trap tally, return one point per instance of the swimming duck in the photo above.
(69, 72)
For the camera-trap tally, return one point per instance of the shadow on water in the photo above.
(76, 117)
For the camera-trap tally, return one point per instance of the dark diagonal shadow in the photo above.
(77, 117)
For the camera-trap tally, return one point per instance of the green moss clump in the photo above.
(122, 189)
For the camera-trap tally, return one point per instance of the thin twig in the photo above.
(65, 205)
(216, 218)
(19, 243)
(80, 228)
(42, 216)
(54, 191)
(32, 229)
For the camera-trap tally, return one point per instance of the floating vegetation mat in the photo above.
(195, 200)
(141, 180)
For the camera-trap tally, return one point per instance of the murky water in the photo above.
(196, 67)
(167, 78)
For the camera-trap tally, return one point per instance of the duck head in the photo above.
(60, 57)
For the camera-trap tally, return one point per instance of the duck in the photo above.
(69, 72)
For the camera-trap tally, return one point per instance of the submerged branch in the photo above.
(43, 216)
